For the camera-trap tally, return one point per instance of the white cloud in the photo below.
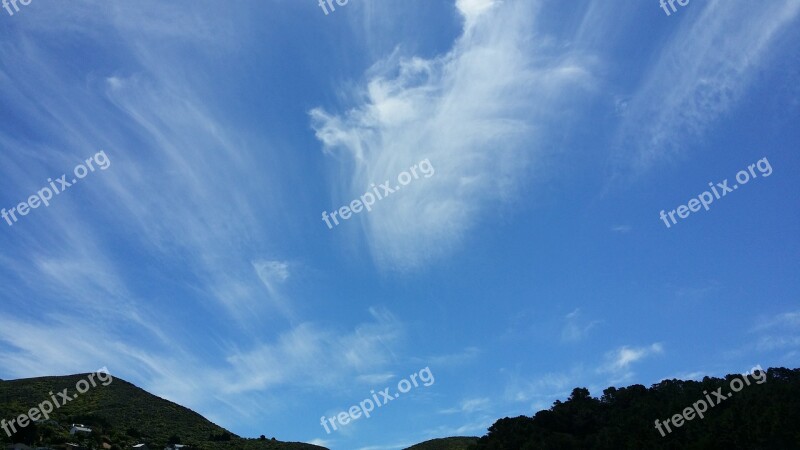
(703, 71)
(468, 406)
(542, 387)
(473, 9)
(310, 355)
(618, 362)
(375, 378)
(476, 427)
(769, 343)
(788, 320)
(696, 375)
(776, 333)
(478, 113)
(272, 274)
(575, 328)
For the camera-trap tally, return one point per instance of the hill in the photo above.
(451, 443)
(760, 412)
(118, 413)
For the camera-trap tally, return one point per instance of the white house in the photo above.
(79, 428)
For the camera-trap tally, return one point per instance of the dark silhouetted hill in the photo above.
(451, 443)
(762, 416)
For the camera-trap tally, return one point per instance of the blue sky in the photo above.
(533, 261)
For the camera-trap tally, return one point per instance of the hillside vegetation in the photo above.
(451, 443)
(120, 414)
(759, 416)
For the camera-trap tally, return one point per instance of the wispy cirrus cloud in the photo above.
(309, 354)
(471, 428)
(775, 335)
(703, 70)
(469, 405)
(376, 378)
(477, 112)
(782, 321)
(576, 328)
(540, 387)
(123, 269)
(778, 332)
(618, 362)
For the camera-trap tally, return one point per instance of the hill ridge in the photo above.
(119, 413)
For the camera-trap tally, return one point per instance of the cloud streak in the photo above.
(703, 71)
(478, 111)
